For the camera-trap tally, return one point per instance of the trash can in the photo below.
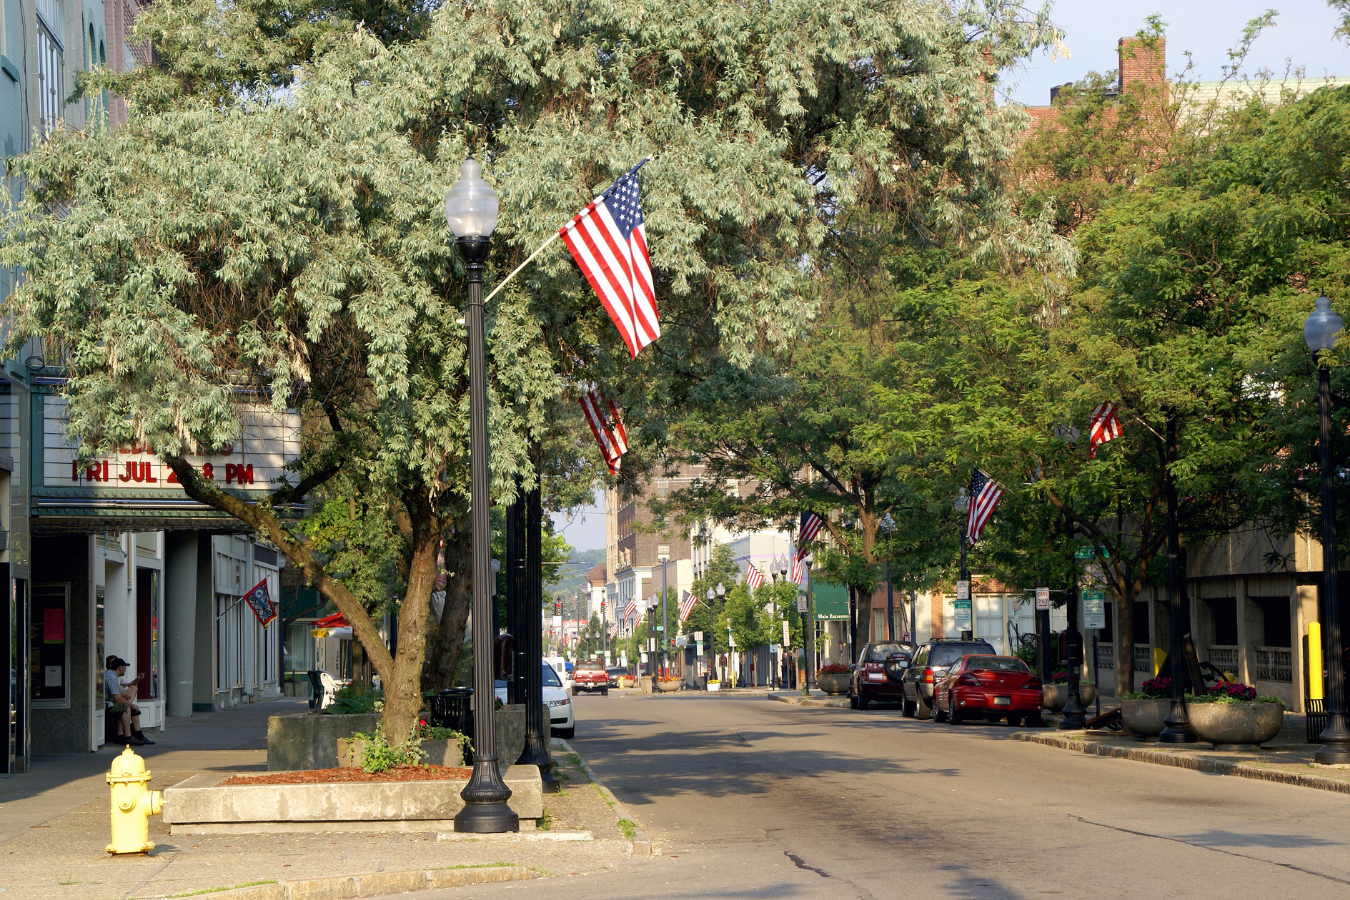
(450, 709)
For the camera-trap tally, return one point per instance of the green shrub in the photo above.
(378, 756)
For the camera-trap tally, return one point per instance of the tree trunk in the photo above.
(403, 695)
(455, 615)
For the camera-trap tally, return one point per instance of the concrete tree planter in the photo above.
(1055, 696)
(834, 685)
(1144, 718)
(309, 740)
(714, 685)
(1236, 726)
(667, 687)
(350, 752)
(625, 681)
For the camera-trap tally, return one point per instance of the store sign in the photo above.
(1094, 610)
(1042, 599)
(255, 461)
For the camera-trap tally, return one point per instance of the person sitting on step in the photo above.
(119, 702)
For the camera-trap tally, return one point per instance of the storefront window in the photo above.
(49, 644)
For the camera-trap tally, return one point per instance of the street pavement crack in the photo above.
(802, 864)
(1163, 837)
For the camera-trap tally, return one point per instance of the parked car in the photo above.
(877, 676)
(988, 687)
(590, 675)
(561, 710)
(930, 663)
(615, 673)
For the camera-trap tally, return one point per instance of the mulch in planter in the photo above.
(353, 775)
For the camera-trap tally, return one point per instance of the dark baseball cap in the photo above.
(116, 662)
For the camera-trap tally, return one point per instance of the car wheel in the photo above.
(939, 715)
(1015, 721)
(1035, 720)
(923, 710)
(908, 709)
(605, 692)
(862, 702)
(566, 733)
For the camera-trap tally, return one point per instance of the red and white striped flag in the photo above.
(687, 605)
(630, 610)
(609, 242)
(985, 493)
(810, 527)
(1103, 426)
(753, 577)
(798, 575)
(603, 417)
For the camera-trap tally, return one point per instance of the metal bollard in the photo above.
(133, 803)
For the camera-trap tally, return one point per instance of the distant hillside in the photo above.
(572, 575)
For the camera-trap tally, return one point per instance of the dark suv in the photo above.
(877, 675)
(930, 663)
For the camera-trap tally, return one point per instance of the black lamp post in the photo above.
(712, 643)
(1074, 714)
(810, 636)
(1178, 722)
(1320, 331)
(962, 505)
(664, 557)
(471, 211)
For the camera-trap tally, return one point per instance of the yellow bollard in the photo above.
(1314, 660)
(132, 804)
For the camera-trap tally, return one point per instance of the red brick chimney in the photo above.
(1143, 61)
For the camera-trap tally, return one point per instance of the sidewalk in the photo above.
(1288, 759)
(55, 825)
(817, 698)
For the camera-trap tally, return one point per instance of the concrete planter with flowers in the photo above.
(1232, 717)
(834, 679)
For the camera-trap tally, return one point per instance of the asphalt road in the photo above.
(750, 798)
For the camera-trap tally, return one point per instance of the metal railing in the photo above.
(1106, 657)
(1224, 657)
(1275, 664)
(1143, 658)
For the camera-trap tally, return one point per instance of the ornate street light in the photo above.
(1320, 332)
(962, 505)
(888, 526)
(471, 211)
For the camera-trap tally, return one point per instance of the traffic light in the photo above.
(558, 607)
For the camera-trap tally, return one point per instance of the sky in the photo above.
(585, 529)
(1301, 36)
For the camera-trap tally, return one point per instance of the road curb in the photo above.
(642, 845)
(1198, 764)
(377, 884)
(797, 700)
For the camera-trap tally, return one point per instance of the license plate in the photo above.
(1003, 701)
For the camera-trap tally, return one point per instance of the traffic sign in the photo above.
(698, 636)
(963, 615)
(698, 647)
(787, 635)
(1042, 598)
(963, 591)
(801, 603)
(1094, 610)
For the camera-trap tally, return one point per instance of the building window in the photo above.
(229, 641)
(49, 50)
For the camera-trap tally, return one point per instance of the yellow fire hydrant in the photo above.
(132, 804)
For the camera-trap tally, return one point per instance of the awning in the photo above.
(336, 620)
(831, 601)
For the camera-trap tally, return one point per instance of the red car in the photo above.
(590, 675)
(988, 687)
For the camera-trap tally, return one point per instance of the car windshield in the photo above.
(551, 677)
(589, 667)
(879, 652)
(946, 654)
(996, 664)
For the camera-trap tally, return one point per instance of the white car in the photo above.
(561, 714)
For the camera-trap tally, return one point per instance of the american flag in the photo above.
(798, 569)
(1104, 425)
(809, 529)
(609, 243)
(687, 605)
(614, 630)
(985, 493)
(603, 417)
(753, 577)
(630, 610)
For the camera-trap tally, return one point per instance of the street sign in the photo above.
(698, 647)
(731, 641)
(1094, 610)
(1042, 598)
(963, 591)
(801, 603)
(682, 641)
(698, 636)
(963, 615)
(1089, 553)
(787, 635)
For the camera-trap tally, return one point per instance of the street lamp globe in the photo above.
(887, 523)
(1322, 326)
(721, 589)
(711, 594)
(471, 203)
(962, 501)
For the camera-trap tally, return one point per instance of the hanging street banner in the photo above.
(261, 603)
(1094, 610)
